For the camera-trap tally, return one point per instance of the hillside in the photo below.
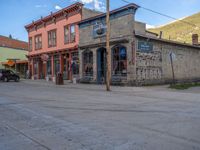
(179, 31)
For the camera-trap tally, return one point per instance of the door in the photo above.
(66, 68)
(101, 65)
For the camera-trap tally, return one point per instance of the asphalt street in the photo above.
(36, 115)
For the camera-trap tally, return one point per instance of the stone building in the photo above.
(138, 57)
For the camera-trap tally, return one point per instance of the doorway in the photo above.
(101, 65)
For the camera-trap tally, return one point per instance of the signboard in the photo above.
(145, 46)
(44, 57)
(10, 63)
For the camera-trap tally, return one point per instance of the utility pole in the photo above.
(108, 51)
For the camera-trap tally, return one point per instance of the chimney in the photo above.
(161, 34)
(195, 39)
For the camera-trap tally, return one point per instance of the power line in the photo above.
(162, 14)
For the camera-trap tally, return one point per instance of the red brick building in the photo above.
(53, 42)
(12, 43)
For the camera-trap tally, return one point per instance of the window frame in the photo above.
(68, 35)
(30, 44)
(117, 60)
(38, 43)
(51, 38)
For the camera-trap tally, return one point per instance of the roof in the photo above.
(167, 41)
(13, 43)
(71, 7)
(132, 5)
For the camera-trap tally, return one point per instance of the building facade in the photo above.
(53, 43)
(138, 57)
(14, 51)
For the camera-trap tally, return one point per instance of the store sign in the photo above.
(10, 63)
(44, 57)
(145, 46)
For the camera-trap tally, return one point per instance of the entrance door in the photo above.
(101, 65)
(66, 69)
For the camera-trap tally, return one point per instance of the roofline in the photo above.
(167, 41)
(13, 39)
(111, 12)
(55, 13)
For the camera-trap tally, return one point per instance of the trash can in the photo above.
(59, 79)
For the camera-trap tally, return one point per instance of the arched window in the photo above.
(88, 63)
(119, 64)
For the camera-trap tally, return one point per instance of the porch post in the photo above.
(52, 65)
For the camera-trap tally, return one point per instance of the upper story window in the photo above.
(52, 38)
(72, 33)
(30, 44)
(66, 34)
(38, 42)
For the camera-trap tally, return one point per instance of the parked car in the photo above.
(7, 75)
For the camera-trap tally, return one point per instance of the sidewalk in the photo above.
(95, 87)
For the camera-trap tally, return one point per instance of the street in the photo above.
(36, 115)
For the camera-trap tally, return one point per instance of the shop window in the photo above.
(75, 63)
(52, 38)
(30, 43)
(49, 68)
(72, 33)
(119, 64)
(88, 63)
(56, 64)
(38, 42)
(66, 34)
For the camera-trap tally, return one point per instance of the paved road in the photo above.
(42, 116)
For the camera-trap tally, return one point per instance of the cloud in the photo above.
(97, 4)
(148, 26)
(57, 7)
(40, 6)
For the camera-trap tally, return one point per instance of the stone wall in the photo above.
(155, 67)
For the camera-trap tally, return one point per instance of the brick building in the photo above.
(53, 42)
(138, 56)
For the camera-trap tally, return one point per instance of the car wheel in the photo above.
(5, 79)
(16, 79)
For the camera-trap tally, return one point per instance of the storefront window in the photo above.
(75, 63)
(119, 61)
(88, 63)
(49, 71)
(35, 67)
(56, 64)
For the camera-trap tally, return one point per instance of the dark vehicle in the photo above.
(7, 75)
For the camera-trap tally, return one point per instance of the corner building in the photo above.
(53, 43)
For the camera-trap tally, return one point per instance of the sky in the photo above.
(15, 14)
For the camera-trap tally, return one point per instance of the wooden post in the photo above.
(172, 65)
(108, 51)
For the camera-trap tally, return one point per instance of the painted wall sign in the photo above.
(145, 46)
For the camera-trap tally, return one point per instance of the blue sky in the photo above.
(15, 14)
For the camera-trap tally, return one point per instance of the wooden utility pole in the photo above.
(108, 51)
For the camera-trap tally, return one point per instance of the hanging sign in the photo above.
(44, 57)
(10, 63)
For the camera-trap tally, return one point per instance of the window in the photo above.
(66, 34)
(49, 72)
(38, 42)
(30, 44)
(88, 63)
(75, 63)
(72, 34)
(52, 38)
(119, 61)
